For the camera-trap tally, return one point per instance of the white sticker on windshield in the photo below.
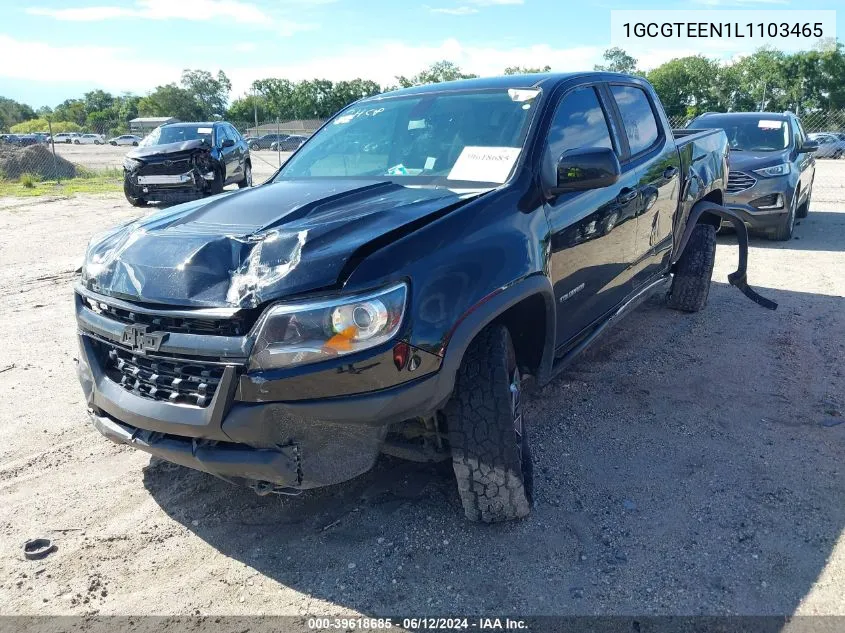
(769, 124)
(484, 164)
(203, 130)
(520, 95)
(429, 163)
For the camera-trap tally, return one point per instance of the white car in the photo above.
(87, 139)
(65, 137)
(125, 139)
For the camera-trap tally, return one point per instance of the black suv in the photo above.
(264, 142)
(771, 168)
(182, 161)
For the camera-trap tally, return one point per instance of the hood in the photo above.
(749, 161)
(243, 248)
(168, 148)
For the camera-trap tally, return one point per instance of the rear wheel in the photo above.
(804, 209)
(254, 146)
(76, 142)
(135, 143)
(691, 281)
(490, 453)
(132, 195)
(247, 181)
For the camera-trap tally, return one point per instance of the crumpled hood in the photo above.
(243, 248)
(167, 148)
(749, 161)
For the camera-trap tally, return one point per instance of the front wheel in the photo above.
(254, 146)
(783, 232)
(247, 181)
(490, 452)
(691, 281)
(76, 142)
(135, 143)
(132, 196)
(804, 209)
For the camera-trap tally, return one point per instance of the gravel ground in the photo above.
(688, 464)
(264, 162)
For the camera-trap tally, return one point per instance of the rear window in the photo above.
(637, 117)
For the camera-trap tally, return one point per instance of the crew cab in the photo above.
(395, 284)
(180, 161)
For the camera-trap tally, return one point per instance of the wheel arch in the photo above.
(530, 298)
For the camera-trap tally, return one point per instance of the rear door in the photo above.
(652, 163)
(593, 233)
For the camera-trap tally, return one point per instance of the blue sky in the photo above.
(55, 49)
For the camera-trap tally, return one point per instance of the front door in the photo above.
(593, 233)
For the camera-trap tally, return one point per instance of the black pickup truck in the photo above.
(396, 282)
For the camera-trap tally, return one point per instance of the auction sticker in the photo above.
(484, 164)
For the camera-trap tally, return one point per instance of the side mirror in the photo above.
(586, 168)
(228, 143)
(809, 147)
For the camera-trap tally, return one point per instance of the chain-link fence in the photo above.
(28, 158)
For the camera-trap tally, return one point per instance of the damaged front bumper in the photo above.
(188, 399)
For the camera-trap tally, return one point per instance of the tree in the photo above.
(248, 107)
(12, 113)
(346, 92)
(618, 61)
(279, 96)
(41, 125)
(211, 93)
(438, 72)
(170, 100)
(525, 70)
(98, 101)
(686, 86)
(71, 110)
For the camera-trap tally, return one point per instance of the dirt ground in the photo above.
(688, 464)
(264, 162)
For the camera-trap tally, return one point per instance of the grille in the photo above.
(235, 326)
(159, 378)
(160, 169)
(739, 181)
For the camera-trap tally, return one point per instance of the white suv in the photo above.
(65, 137)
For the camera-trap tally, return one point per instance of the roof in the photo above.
(152, 119)
(776, 116)
(533, 80)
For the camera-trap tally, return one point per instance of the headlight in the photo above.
(291, 334)
(777, 170)
(130, 164)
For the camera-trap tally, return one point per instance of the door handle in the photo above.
(670, 172)
(627, 195)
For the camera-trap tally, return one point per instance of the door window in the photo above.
(579, 122)
(637, 117)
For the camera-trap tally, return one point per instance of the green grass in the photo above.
(106, 181)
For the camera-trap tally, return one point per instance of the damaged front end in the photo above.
(174, 173)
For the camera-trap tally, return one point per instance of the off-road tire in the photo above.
(804, 209)
(691, 282)
(131, 197)
(491, 460)
(247, 180)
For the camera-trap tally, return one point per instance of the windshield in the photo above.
(434, 139)
(749, 134)
(177, 134)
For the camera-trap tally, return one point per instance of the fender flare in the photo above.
(738, 278)
(480, 315)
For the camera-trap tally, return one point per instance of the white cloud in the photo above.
(121, 69)
(490, 3)
(198, 10)
(456, 11)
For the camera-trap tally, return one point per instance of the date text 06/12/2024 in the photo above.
(418, 624)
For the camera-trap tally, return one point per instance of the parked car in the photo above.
(285, 335)
(42, 137)
(772, 168)
(89, 139)
(66, 137)
(125, 139)
(186, 160)
(265, 141)
(8, 139)
(24, 140)
(290, 144)
(830, 145)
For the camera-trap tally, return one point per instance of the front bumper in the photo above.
(746, 204)
(243, 432)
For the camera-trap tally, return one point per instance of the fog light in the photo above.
(771, 201)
